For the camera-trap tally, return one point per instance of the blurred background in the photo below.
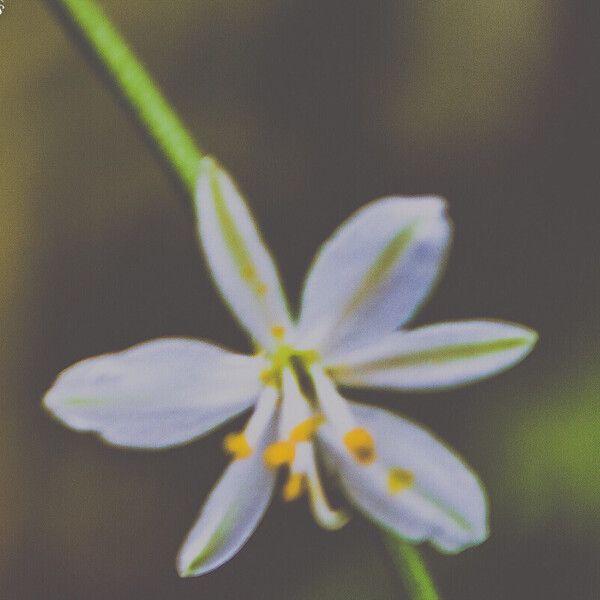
(316, 107)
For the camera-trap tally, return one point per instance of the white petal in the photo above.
(232, 512)
(239, 261)
(436, 356)
(374, 272)
(446, 504)
(156, 394)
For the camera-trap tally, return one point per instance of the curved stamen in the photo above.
(296, 423)
(324, 515)
(241, 444)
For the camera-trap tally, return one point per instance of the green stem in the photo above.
(409, 563)
(135, 87)
(157, 119)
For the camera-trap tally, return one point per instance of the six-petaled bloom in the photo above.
(366, 282)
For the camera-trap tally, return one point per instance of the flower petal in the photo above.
(156, 394)
(239, 261)
(436, 356)
(374, 272)
(232, 512)
(445, 503)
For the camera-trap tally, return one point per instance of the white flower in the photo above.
(366, 282)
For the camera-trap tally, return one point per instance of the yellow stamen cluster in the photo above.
(294, 487)
(283, 452)
(399, 480)
(237, 445)
(282, 357)
(361, 445)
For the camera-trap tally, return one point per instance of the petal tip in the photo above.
(449, 548)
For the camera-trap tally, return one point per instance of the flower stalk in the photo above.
(130, 80)
(411, 567)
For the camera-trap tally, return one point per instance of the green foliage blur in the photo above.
(316, 107)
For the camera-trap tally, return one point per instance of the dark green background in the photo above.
(316, 107)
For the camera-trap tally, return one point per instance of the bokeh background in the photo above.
(316, 106)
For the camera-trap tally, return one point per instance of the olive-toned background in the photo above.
(316, 107)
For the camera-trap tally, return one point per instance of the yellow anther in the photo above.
(279, 454)
(399, 480)
(278, 331)
(305, 431)
(261, 288)
(248, 272)
(237, 445)
(360, 444)
(294, 486)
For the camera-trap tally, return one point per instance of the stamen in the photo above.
(399, 480)
(294, 486)
(278, 331)
(279, 454)
(237, 445)
(305, 431)
(360, 444)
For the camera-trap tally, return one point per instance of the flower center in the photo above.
(283, 452)
(285, 356)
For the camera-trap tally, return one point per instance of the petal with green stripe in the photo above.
(373, 273)
(438, 499)
(436, 356)
(232, 511)
(238, 258)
